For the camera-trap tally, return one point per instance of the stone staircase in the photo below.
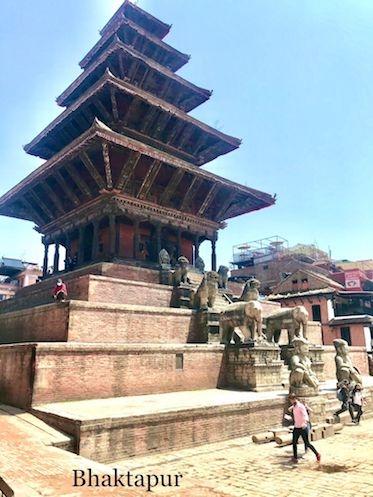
(88, 361)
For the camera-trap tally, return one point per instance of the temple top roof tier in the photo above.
(102, 160)
(138, 114)
(141, 40)
(139, 16)
(127, 63)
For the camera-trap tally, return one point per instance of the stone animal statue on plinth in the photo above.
(223, 277)
(199, 264)
(301, 374)
(345, 370)
(250, 290)
(164, 258)
(293, 319)
(246, 316)
(181, 271)
(207, 291)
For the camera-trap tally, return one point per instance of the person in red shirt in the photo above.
(60, 291)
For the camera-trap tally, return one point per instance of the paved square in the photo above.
(240, 468)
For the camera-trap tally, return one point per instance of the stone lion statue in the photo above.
(250, 290)
(246, 316)
(205, 295)
(345, 370)
(294, 320)
(181, 271)
(223, 276)
(301, 374)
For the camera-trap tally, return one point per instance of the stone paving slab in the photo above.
(240, 468)
(236, 468)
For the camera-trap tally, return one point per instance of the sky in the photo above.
(291, 78)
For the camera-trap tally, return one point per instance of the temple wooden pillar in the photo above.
(136, 239)
(56, 259)
(179, 243)
(45, 260)
(81, 245)
(196, 247)
(213, 254)
(158, 232)
(112, 235)
(68, 251)
(95, 239)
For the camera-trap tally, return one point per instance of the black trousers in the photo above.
(302, 432)
(359, 410)
(346, 406)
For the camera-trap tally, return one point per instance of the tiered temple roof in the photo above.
(125, 145)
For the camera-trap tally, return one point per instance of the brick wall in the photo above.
(43, 323)
(65, 372)
(104, 289)
(16, 374)
(91, 322)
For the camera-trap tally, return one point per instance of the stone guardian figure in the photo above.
(302, 378)
(345, 370)
(207, 291)
(164, 258)
(181, 271)
(250, 290)
(223, 277)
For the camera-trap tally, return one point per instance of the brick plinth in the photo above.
(80, 321)
(114, 429)
(64, 372)
(80, 281)
(110, 439)
(256, 368)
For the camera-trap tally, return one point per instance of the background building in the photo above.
(15, 274)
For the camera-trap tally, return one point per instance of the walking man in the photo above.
(301, 420)
(344, 395)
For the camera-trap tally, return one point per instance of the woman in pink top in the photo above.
(301, 420)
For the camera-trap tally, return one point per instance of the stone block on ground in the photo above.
(264, 437)
(328, 430)
(316, 433)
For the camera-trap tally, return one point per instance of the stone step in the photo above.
(59, 372)
(116, 428)
(79, 321)
(111, 429)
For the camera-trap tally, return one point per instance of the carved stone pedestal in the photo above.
(208, 326)
(253, 366)
(183, 295)
(315, 354)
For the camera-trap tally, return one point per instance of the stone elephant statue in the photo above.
(246, 316)
(294, 320)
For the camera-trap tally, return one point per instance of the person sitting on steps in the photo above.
(60, 291)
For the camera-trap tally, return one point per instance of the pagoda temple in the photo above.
(123, 176)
